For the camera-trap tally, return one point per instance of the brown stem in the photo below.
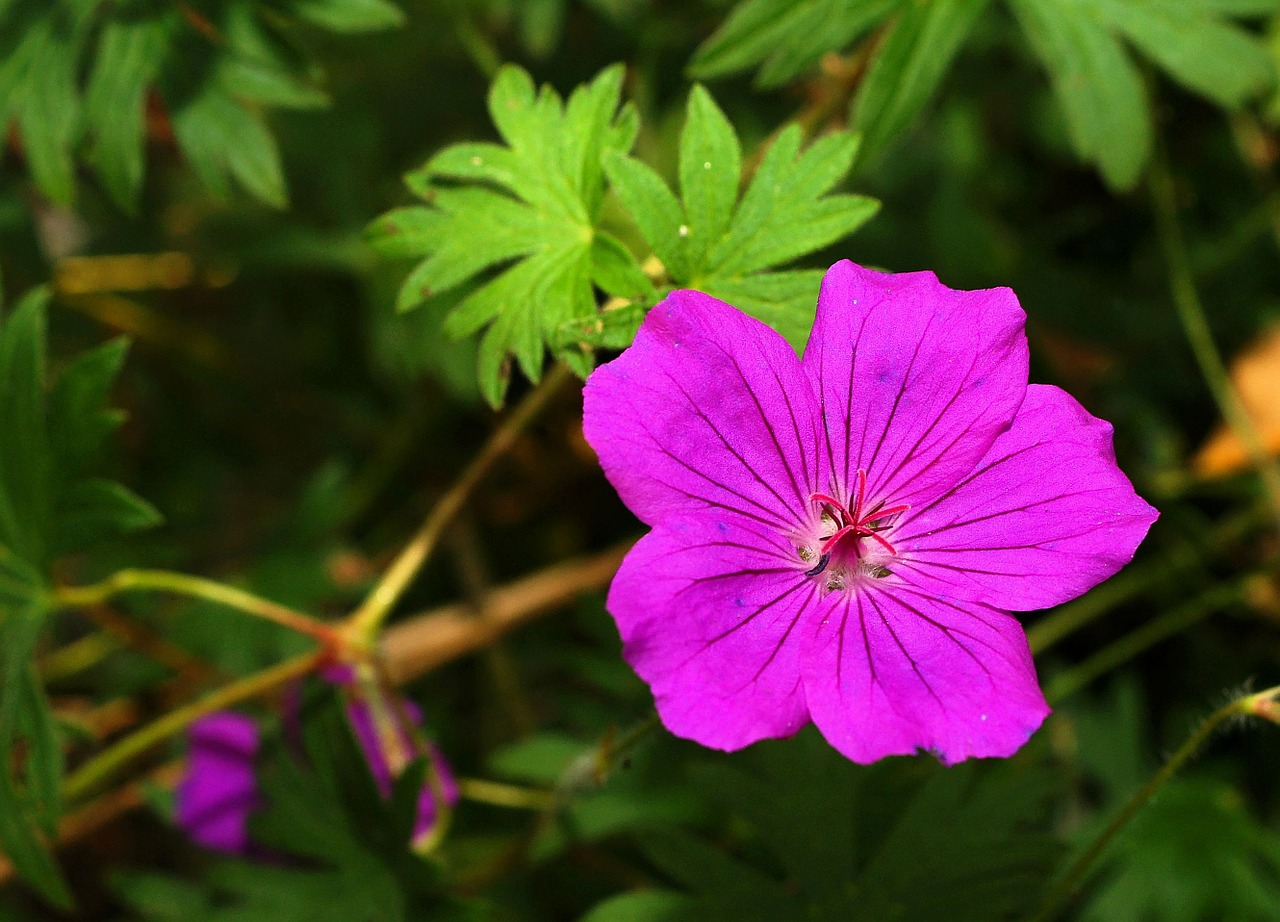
(431, 639)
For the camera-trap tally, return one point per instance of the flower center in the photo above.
(850, 530)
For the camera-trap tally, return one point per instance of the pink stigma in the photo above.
(851, 520)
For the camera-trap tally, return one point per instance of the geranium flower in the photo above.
(219, 790)
(838, 538)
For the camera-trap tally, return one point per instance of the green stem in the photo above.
(367, 619)
(1212, 600)
(498, 794)
(1195, 326)
(195, 587)
(92, 773)
(1053, 902)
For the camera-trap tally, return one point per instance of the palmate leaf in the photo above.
(829, 840)
(348, 848)
(49, 437)
(521, 218)
(76, 75)
(730, 245)
(1082, 43)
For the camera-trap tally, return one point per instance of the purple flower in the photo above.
(219, 789)
(838, 538)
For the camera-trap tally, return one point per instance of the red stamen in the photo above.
(835, 539)
(859, 495)
(891, 510)
(887, 546)
(828, 501)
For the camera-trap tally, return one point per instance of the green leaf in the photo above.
(48, 100)
(24, 442)
(654, 208)
(896, 840)
(990, 861)
(909, 65)
(225, 142)
(615, 271)
(710, 168)
(348, 15)
(78, 412)
(787, 36)
(1097, 85)
(126, 65)
(1204, 53)
(48, 441)
(728, 247)
(641, 906)
(1195, 852)
(786, 211)
(95, 509)
(518, 221)
(28, 792)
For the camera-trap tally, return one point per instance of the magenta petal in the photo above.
(218, 790)
(405, 750)
(1045, 516)
(916, 379)
(711, 612)
(708, 409)
(890, 674)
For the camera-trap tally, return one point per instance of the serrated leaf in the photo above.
(348, 15)
(728, 247)
(786, 211)
(1204, 53)
(710, 168)
(615, 271)
(518, 221)
(654, 208)
(909, 65)
(1097, 85)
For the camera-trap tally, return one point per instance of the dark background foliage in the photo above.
(223, 182)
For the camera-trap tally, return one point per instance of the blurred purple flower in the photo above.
(219, 789)
(838, 538)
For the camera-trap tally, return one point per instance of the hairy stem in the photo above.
(367, 619)
(91, 774)
(1254, 704)
(195, 587)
